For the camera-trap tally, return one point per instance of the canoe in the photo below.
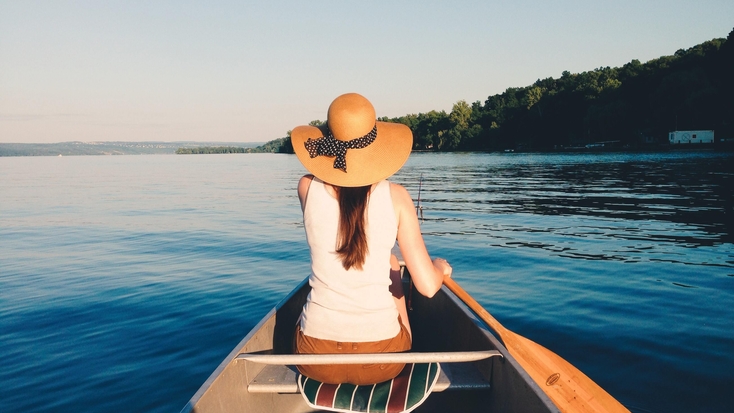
(477, 372)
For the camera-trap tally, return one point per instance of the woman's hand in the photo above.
(443, 267)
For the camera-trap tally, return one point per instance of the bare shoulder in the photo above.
(397, 190)
(400, 195)
(303, 184)
(305, 181)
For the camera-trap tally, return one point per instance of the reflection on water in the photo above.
(638, 205)
(621, 263)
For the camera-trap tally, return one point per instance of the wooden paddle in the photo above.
(570, 389)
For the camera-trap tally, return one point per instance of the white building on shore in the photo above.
(691, 136)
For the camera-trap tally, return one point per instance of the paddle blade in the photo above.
(569, 389)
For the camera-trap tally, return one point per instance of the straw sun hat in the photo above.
(352, 149)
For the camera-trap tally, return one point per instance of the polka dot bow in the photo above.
(330, 146)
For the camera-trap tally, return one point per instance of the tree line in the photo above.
(630, 106)
(211, 149)
(277, 145)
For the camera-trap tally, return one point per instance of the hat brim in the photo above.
(365, 166)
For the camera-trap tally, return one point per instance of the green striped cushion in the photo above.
(402, 394)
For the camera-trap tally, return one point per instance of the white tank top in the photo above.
(353, 305)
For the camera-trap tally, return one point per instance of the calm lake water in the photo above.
(124, 281)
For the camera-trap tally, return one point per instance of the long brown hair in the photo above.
(351, 239)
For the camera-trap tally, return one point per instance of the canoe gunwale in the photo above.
(506, 356)
(232, 356)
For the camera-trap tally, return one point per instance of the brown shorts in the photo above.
(351, 373)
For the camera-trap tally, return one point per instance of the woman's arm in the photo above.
(427, 275)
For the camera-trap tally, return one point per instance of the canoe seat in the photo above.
(458, 370)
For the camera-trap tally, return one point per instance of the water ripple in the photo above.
(128, 279)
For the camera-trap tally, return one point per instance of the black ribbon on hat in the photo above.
(330, 146)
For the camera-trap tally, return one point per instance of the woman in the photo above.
(352, 217)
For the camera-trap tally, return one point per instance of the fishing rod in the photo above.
(419, 213)
(419, 207)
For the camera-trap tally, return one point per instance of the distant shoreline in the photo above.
(108, 148)
(196, 148)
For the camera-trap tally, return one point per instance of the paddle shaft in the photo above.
(570, 389)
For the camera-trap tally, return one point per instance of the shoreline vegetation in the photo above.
(273, 146)
(632, 107)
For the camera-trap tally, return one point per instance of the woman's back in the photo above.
(349, 305)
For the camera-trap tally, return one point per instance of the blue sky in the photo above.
(241, 71)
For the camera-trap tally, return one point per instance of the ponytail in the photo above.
(351, 239)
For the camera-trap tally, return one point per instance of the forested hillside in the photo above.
(629, 106)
